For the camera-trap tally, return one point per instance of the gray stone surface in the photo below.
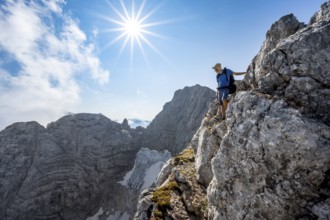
(271, 161)
(187, 198)
(72, 168)
(66, 170)
(274, 155)
(284, 27)
(293, 63)
(165, 172)
(270, 158)
(205, 143)
(173, 128)
(321, 15)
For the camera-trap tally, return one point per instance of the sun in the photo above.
(132, 27)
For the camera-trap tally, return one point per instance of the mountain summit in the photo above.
(174, 126)
(270, 158)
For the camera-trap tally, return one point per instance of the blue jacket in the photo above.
(223, 79)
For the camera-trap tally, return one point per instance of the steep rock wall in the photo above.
(273, 157)
(174, 126)
(270, 158)
(66, 170)
(74, 168)
(293, 64)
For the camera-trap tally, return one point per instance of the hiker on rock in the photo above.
(223, 90)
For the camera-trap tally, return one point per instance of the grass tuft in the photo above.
(185, 156)
(162, 195)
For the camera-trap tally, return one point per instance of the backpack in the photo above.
(232, 87)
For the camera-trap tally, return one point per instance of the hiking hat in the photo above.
(217, 66)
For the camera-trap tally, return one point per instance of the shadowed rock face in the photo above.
(270, 158)
(174, 126)
(73, 168)
(66, 170)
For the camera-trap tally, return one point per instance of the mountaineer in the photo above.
(225, 87)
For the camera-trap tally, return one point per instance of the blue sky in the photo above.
(60, 57)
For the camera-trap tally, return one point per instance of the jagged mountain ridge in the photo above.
(179, 115)
(270, 158)
(64, 167)
(73, 168)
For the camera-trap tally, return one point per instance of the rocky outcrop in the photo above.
(178, 196)
(281, 29)
(273, 156)
(270, 158)
(66, 170)
(293, 64)
(174, 126)
(270, 164)
(147, 165)
(76, 167)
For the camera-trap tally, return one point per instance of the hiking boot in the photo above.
(216, 119)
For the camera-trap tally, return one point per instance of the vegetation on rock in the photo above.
(180, 196)
(187, 155)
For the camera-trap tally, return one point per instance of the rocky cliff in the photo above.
(66, 170)
(76, 167)
(178, 194)
(174, 126)
(270, 158)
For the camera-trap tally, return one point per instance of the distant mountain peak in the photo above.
(134, 123)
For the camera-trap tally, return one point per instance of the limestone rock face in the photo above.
(270, 158)
(273, 156)
(59, 172)
(16, 161)
(271, 162)
(206, 143)
(76, 167)
(294, 64)
(143, 175)
(174, 126)
(178, 196)
(280, 30)
(321, 16)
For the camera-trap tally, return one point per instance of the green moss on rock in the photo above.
(162, 195)
(185, 156)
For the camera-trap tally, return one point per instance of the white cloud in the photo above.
(54, 5)
(48, 59)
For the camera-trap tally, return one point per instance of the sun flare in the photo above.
(132, 27)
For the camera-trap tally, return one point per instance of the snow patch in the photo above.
(128, 175)
(147, 165)
(151, 174)
(97, 215)
(116, 216)
(119, 216)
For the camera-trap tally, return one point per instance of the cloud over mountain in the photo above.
(42, 61)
